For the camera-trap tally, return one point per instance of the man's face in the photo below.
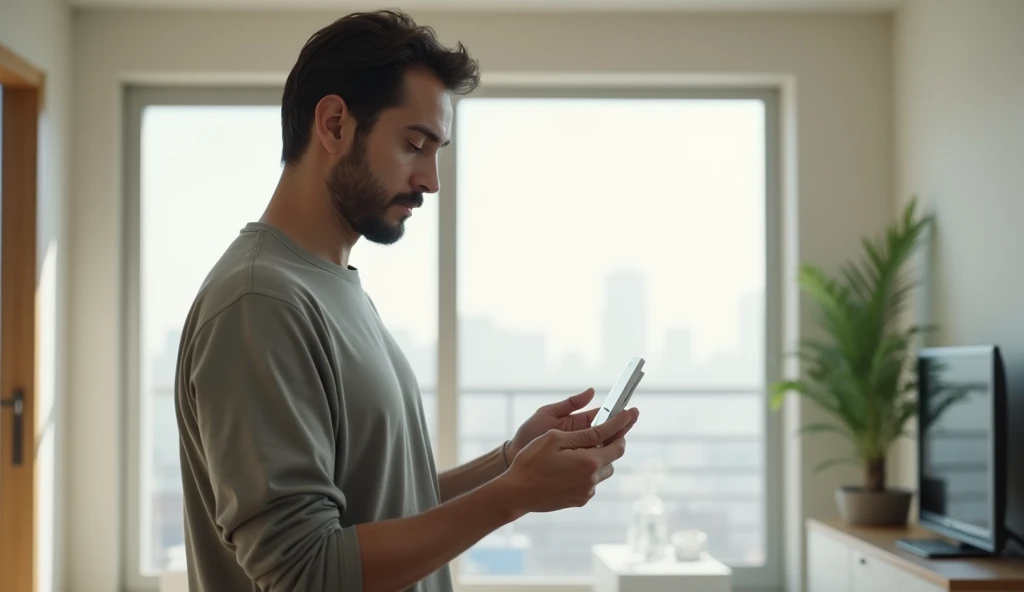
(376, 185)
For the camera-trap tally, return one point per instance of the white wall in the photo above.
(839, 73)
(960, 146)
(40, 32)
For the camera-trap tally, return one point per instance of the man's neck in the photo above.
(302, 210)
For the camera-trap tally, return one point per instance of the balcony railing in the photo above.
(713, 473)
(663, 439)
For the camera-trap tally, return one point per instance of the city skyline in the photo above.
(493, 356)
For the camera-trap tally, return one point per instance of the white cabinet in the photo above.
(834, 566)
(828, 564)
(844, 558)
(871, 573)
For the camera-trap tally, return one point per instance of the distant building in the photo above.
(624, 322)
(491, 356)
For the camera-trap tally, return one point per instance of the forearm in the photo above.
(398, 553)
(457, 481)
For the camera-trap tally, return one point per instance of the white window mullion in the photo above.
(447, 334)
(448, 320)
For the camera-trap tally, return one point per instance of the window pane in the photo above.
(206, 172)
(591, 231)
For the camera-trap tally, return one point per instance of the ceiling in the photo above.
(512, 5)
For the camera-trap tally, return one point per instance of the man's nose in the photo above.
(427, 181)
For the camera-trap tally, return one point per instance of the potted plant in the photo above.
(859, 373)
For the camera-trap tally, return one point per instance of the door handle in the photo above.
(17, 404)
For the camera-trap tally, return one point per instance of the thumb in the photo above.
(591, 437)
(571, 404)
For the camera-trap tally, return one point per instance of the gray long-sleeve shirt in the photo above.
(299, 417)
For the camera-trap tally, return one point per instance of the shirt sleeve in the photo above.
(265, 410)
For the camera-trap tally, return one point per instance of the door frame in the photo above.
(22, 102)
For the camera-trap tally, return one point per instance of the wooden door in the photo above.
(21, 85)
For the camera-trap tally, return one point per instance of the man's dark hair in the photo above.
(363, 58)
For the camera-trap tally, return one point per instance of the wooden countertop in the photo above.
(997, 573)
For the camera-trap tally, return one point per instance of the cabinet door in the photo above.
(828, 565)
(871, 574)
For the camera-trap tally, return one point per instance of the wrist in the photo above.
(504, 495)
(509, 452)
(503, 452)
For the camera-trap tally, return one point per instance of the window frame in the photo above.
(137, 98)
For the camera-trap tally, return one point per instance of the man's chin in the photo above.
(384, 232)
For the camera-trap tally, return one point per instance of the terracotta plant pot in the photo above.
(861, 507)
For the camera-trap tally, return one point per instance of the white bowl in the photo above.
(689, 544)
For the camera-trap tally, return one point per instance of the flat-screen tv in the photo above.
(961, 440)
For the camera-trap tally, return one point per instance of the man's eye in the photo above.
(415, 148)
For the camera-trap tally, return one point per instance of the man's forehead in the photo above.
(435, 125)
(428, 104)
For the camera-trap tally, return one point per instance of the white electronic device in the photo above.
(622, 390)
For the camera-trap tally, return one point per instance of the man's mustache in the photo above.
(413, 200)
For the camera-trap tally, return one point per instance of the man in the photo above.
(305, 457)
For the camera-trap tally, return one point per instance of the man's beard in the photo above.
(362, 202)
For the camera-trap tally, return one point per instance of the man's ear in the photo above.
(333, 124)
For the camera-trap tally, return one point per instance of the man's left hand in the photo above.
(562, 416)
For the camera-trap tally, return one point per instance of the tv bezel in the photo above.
(944, 525)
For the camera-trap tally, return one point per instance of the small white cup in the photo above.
(689, 544)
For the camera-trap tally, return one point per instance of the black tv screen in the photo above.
(960, 475)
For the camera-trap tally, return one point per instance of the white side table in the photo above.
(614, 572)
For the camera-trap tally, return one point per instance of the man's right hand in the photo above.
(557, 470)
(562, 469)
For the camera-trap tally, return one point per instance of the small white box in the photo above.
(615, 572)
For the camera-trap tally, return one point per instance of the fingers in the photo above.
(622, 433)
(610, 452)
(571, 404)
(591, 437)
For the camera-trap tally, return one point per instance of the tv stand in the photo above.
(845, 558)
(934, 548)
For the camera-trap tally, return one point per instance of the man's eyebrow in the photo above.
(429, 133)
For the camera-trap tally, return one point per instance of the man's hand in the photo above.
(563, 416)
(563, 469)
(557, 470)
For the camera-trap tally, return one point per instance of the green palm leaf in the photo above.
(856, 373)
(833, 462)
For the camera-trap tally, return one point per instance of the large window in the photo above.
(595, 229)
(573, 230)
